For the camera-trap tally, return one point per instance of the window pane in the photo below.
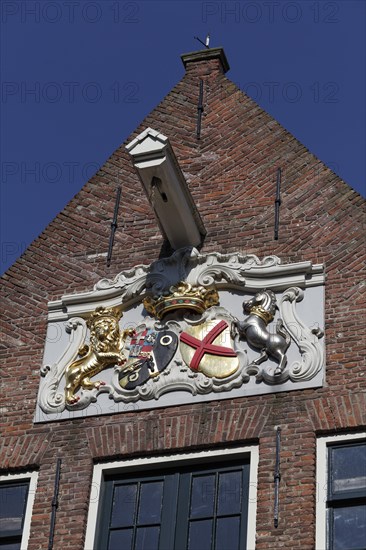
(124, 499)
(349, 528)
(120, 539)
(10, 546)
(200, 535)
(151, 494)
(229, 493)
(12, 506)
(348, 468)
(227, 533)
(203, 496)
(147, 538)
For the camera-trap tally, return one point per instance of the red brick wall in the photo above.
(231, 172)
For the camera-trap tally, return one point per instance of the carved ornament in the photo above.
(174, 339)
(181, 296)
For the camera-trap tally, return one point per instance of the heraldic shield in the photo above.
(150, 352)
(207, 348)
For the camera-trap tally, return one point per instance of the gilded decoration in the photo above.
(208, 348)
(105, 348)
(181, 296)
(194, 327)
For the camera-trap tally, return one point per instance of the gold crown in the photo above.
(181, 296)
(104, 312)
(267, 316)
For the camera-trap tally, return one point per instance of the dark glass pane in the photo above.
(10, 546)
(349, 528)
(147, 538)
(229, 501)
(200, 535)
(120, 540)
(123, 510)
(12, 506)
(227, 533)
(151, 494)
(203, 496)
(348, 468)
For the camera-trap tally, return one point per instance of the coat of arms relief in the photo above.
(187, 328)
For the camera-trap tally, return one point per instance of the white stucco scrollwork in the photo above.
(234, 271)
(51, 399)
(229, 268)
(307, 339)
(240, 368)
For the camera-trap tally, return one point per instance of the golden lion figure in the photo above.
(105, 348)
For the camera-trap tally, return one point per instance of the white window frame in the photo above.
(32, 477)
(203, 457)
(322, 482)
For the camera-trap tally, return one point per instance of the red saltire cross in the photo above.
(206, 346)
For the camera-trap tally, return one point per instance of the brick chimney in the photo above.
(204, 62)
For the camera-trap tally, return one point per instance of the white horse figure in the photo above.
(261, 309)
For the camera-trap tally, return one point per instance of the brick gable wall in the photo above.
(231, 174)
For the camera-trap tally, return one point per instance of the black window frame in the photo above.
(177, 491)
(338, 499)
(15, 536)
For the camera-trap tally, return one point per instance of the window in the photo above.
(195, 503)
(16, 501)
(343, 493)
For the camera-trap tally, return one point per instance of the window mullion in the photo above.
(244, 506)
(137, 504)
(183, 511)
(169, 508)
(214, 519)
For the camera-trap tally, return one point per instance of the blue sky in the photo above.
(78, 77)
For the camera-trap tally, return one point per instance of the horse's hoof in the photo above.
(277, 372)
